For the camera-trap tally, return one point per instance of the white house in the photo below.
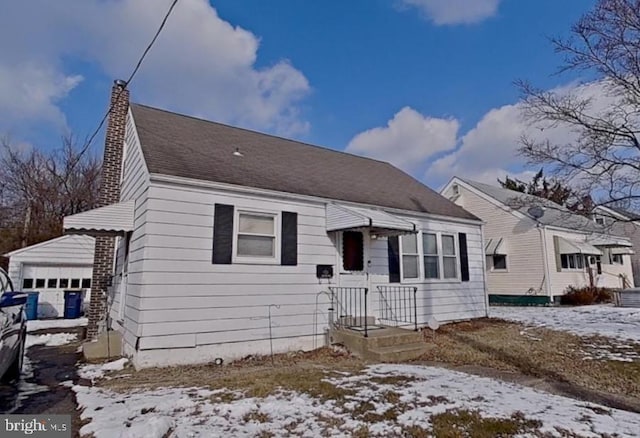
(625, 223)
(51, 267)
(536, 249)
(221, 227)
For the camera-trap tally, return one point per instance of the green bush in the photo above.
(581, 296)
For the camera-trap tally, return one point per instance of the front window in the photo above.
(616, 259)
(429, 256)
(256, 236)
(410, 256)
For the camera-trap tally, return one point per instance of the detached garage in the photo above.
(51, 267)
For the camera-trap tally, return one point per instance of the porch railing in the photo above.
(350, 308)
(398, 305)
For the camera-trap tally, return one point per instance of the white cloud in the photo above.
(443, 12)
(490, 149)
(200, 64)
(408, 140)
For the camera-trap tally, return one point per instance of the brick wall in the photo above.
(109, 194)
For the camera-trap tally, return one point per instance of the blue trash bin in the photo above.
(72, 304)
(31, 308)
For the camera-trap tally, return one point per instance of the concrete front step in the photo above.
(382, 344)
(397, 353)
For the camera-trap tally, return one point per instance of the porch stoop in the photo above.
(383, 343)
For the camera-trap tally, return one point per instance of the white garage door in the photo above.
(51, 282)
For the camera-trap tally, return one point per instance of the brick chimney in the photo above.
(103, 261)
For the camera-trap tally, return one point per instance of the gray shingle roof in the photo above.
(554, 214)
(178, 145)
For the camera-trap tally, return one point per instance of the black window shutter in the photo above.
(464, 257)
(222, 234)
(352, 251)
(289, 240)
(393, 251)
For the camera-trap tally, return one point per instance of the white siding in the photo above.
(182, 300)
(560, 280)
(134, 187)
(523, 242)
(67, 256)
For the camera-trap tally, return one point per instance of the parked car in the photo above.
(13, 329)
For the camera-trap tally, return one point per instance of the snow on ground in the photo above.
(97, 371)
(41, 324)
(616, 322)
(422, 391)
(51, 339)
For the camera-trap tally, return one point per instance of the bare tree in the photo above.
(37, 189)
(601, 153)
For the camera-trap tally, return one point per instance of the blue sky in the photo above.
(426, 84)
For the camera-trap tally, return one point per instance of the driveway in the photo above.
(51, 360)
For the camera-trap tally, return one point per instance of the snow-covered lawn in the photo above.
(603, 320)
(384, 400)
(41, 324)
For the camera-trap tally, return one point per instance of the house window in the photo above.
(40, 283)
(27, 283)
(52, 283)
(574, 262)
(352, 251)
(256, 236)
(410, 257)
(600, 221)
(616, 259)
(86, 283)
(64, 282)
(75, 283)
(449, 257)
(431, 257)
(499, 262)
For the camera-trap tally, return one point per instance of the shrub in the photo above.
(580, 296)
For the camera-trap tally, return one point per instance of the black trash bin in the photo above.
(73, 303)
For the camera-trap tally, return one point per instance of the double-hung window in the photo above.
(410, 257)
(430, 256)
(256, 236)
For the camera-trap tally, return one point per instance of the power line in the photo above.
(131, 76)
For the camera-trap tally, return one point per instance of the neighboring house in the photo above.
(51, 267)
(220, 227)
(624, 223)
(534, 260)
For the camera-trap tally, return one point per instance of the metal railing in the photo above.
(350, 307)
(398, 305)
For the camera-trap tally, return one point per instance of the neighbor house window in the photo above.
(431, 257)
(616, 259)
(27, 283)
(256, 235)
(40, 282)
(86, 283)
(75, 283)
(64, 282)
(572, 261)
(410, 257)
(52, 283)
(499, 262)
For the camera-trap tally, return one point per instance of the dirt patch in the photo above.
(564, 360)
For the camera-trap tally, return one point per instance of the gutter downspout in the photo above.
(484, 272)
(545, 262)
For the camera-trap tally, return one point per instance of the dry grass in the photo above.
(253, 377)
(463, 423)
(552, 355)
